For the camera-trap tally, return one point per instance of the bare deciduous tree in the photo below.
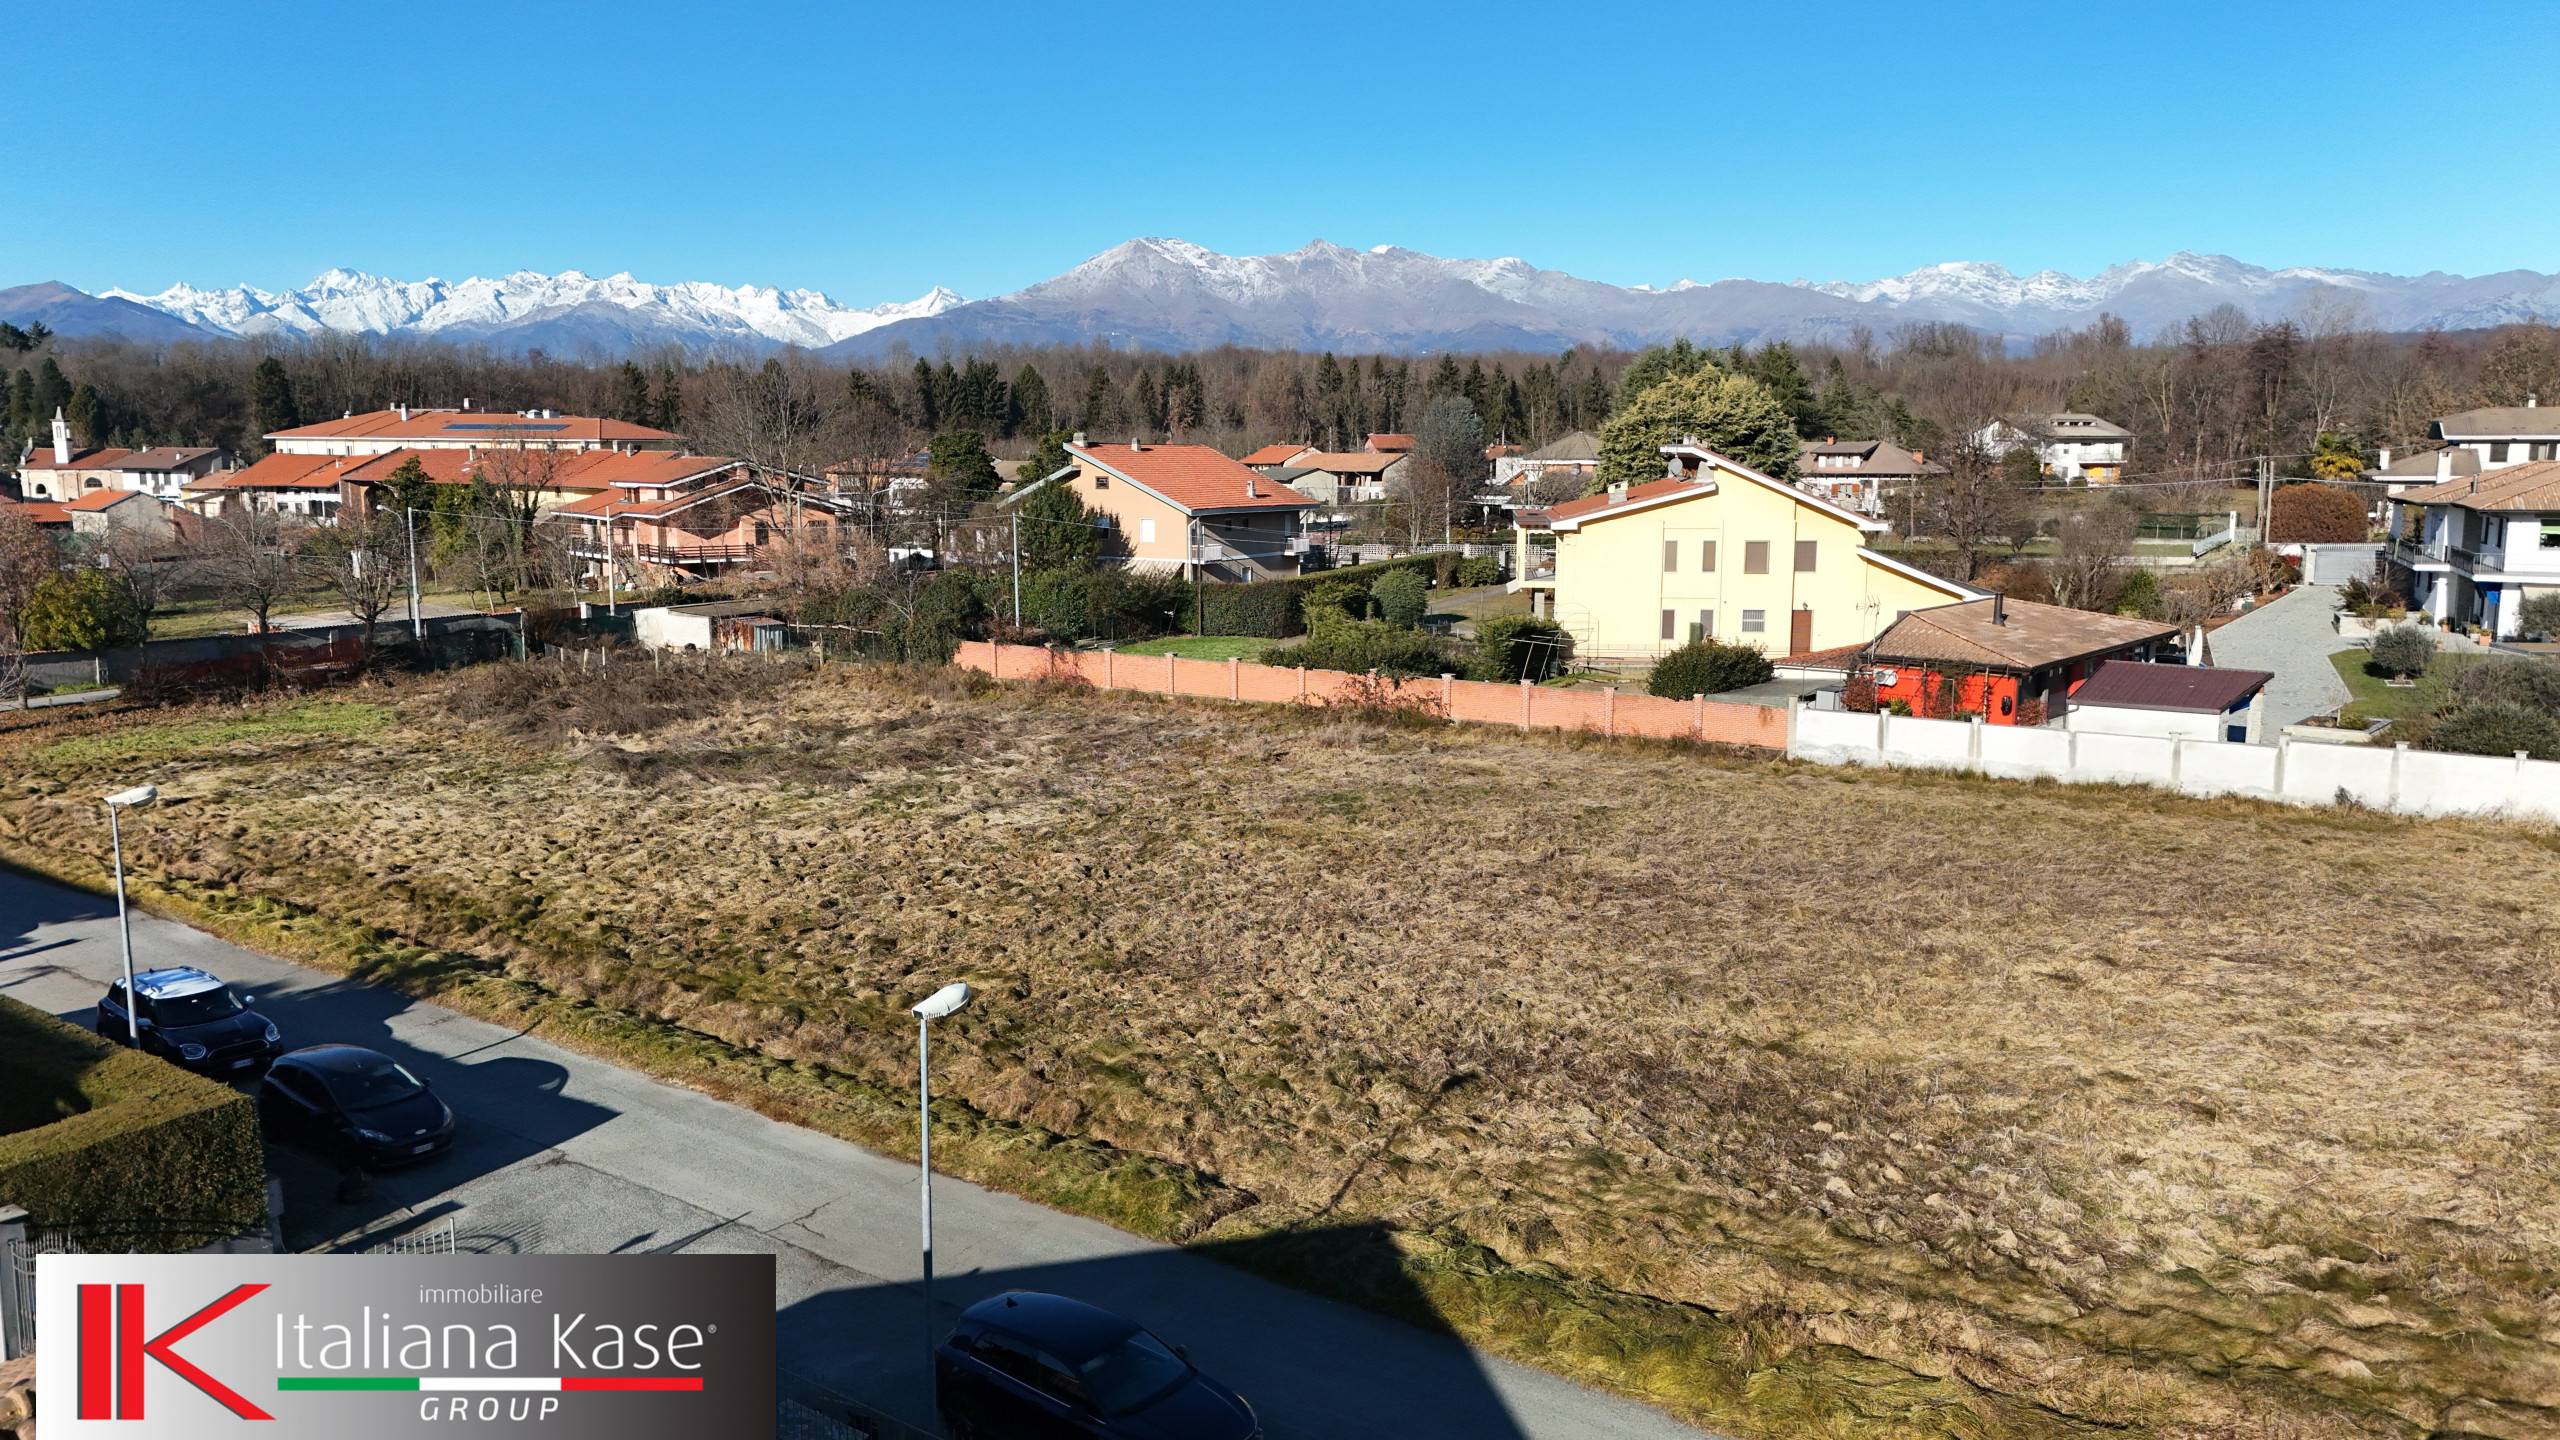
(247, 557)
(2095, 548)
(360, 562)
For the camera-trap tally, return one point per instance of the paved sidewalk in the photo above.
(2293, 638)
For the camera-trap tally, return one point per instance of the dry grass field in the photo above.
(1803, 1101)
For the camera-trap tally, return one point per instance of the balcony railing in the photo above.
(663, 554)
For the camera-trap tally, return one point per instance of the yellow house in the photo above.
(1718, 549)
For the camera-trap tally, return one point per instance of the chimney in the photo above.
(1919, 457)
(2385, 462)
(61, 438)
(1251, 492)
(1999, 607)
(1830, 439)
(466, 403)
(1078, 440)
(1618, 493)
(404, 412)
(2444, 465)
(1134, 445)
(2531, 400)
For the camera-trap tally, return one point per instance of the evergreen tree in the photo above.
(22, 403)
(1592, 406)
(272, 406)
(1732, 415)
(1058, 532)
(87, 416)
(1186, 398)
(957, 463)
(670, 408)
(1047, 458)
(1331, 421)
(631, 400)
(53, 391)
(408, 488)
(1660, 363)
(1146, 402)
(1778, 372)
(928, 397)
(1445, 380)
(1101, 404)
(1026, 410)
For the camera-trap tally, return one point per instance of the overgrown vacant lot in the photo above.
(1805, 1101)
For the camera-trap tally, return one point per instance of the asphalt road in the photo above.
(568, 1155)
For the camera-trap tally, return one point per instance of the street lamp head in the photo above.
(942, 1002)
(138, 795)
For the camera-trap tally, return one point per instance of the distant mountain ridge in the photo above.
(1168, 294)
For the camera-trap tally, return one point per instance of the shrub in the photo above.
(2140, 595)
(2513, 680)
(78, 610)
(1859, 695)
(2316, 514)
(1390, 699)
(1103, 604)
(1444, 568)
(120, 1144)
(1707, 667)
(2541, 615)
(2403, 650)
(1360, 646)
(2027, 580)
(2496, 727)
(1480, 570)
(1274, 609)
(1401, 598)
(1520, 647)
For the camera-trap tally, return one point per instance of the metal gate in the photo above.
(18, 1251)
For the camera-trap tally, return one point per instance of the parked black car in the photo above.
(1028, 1366)
(353, 1103)
(194, 1020)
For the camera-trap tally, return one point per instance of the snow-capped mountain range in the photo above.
(1166, 294)
(525, 309)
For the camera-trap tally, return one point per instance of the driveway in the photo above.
(563, 1154)
(2292, 638)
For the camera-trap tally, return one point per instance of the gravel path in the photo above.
(2293, 638)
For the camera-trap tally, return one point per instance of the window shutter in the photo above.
(1755, 557)
(1804, 556)
(1670, 624)
(1670, 556)
(1707, 556)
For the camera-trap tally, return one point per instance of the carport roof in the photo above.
(2136, 685)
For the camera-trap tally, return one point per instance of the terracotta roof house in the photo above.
(1185, 509)
(1339, 477)
(1858, 474)
(1272, 455)
(103, 513)
(2010, 661)
(1390, 442)
(2472, 551)
(44, 514)
(689, 517)
(375, 432)
(60, 472)
(303, 485)
(2183, 702)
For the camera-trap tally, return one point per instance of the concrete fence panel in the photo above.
(2319, 774)
(1928, 744)
(2123, 759)
(2015, 752)
(2207, 767)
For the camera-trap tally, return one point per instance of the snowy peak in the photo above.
(507, 309)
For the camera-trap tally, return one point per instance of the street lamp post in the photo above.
(933, 1007)
(138, 795)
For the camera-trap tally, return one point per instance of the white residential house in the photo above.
(2476, 549)
(2070, 446)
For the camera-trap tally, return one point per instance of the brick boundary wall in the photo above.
(1522, 707)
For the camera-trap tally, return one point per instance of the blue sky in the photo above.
(874, 151)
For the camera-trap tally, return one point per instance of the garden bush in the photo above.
(1273, 609)
(78, 610)
(2541, 615)
(2511, 679)
(1401, 598)
(1480, 570)
(1359, 646)
(1707, 667)
(2403, 650)
(1104, 604)
(2316, 514)
(2140, 595)
(1520, 647)
(121, 1145)
(2496, 727)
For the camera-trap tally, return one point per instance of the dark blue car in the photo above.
(353, 1103)
(1028, 1366)
(192, 1019)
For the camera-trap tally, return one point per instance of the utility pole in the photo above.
(1016, 517)
(2266, 495)
(417, 610)
(608, 559)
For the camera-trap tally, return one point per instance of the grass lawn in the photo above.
(2376, 700)
(1802, 1100)
(1203, 647)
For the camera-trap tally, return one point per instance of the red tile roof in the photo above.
(1350, 462)
(578, 470)
(1389, 440)
(102, 499)
(106, 458)
(497, 427)
(279, 472)
(42, 512)
(1195, 477)
(1649, 490)
(1272, 454)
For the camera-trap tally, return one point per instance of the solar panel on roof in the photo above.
(481, 425)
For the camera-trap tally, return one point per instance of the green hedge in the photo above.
(99, 1139)
(1269, 608)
